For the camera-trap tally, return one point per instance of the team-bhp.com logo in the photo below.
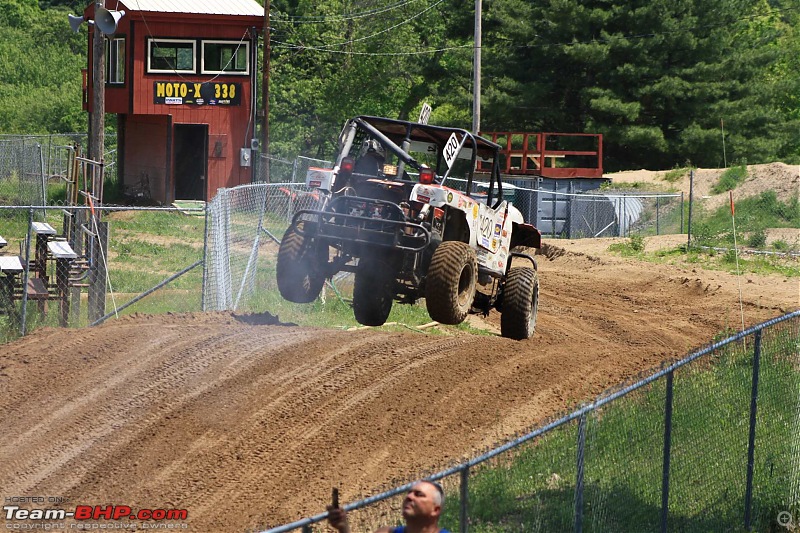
(83, 513)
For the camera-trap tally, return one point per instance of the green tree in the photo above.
(41, 78)
(656, 77)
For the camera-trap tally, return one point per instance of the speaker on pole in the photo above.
(75, 22)
(107, 20)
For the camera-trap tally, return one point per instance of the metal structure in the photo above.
(549, 155)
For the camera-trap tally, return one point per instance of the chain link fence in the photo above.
(149, 260)
(271, 169)
(30, 164)
(708, 443)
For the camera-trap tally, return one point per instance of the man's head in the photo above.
(423, 503)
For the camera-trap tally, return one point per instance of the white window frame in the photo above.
(113, 52)
(156, 41)
(244, 46)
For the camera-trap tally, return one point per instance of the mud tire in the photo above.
(520, 304)
(373, 292)
(299, 269)
(451, 281)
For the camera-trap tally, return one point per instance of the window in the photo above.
(229, 57)
(171, 55)
(115, 61)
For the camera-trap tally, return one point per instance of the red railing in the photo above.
(541, 154)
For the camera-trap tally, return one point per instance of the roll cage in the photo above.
(397, 136)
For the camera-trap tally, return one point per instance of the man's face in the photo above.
(421, 502)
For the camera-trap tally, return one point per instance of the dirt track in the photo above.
(248, 426)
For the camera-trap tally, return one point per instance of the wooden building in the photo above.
(181, 76)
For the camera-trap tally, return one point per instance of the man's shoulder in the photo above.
(387, 529)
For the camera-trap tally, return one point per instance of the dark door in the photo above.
(191, 161)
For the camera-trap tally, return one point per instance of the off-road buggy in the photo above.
(403, 210)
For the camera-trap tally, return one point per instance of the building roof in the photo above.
(203, 7)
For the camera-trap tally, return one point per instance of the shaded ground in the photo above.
(247, 423)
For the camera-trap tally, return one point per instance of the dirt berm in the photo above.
(246, 424)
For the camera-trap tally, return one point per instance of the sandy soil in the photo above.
(782, 178)
(779, 177)
(246, 423)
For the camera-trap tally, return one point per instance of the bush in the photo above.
(780, 245)
(757, 239)
(635, 245)
(730, 179)
(676, 174)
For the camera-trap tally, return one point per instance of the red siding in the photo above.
(146, 149)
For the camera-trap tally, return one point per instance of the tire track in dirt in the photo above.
(249, 426)
(319, 413)
(122, 417)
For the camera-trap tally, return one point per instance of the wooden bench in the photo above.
(61, 250)
(10, 268)
(10, 265)
(43, 228)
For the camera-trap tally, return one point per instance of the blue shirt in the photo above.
(402, 529)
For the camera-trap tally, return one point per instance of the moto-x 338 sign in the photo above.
(196, 93)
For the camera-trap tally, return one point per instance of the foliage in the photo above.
(676, 174)
(757, 239)
(660, 79)
(730, 179)
(41, 81)
(635, 245)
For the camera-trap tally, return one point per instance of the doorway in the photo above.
(191, 161)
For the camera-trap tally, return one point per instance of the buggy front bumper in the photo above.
(364, 221)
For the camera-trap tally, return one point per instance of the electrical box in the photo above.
(245, 157)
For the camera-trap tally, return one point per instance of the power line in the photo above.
(300, 47)
(344, 18)
(351, 41)
(325, 47)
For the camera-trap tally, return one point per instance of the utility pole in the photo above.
(476, 85)
(97, 122)
(265, 91)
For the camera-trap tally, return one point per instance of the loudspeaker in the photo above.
(75, 22)
(107, 20)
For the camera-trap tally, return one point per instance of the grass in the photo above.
(730, 179)
(533, 487)
(676, 174)
(634, 246)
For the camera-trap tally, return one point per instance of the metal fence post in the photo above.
(658, 212)
(748, 496)
(667, 451)
(205, 258)
(579, 475)
(681, 211)
(26, 273)
(464, 515)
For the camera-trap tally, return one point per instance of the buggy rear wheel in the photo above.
(520, 304)
(451, 280)
(373, 292)
(300, 271)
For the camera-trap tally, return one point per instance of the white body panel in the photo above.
(489, 229)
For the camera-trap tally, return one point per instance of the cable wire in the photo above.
(344, 18)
